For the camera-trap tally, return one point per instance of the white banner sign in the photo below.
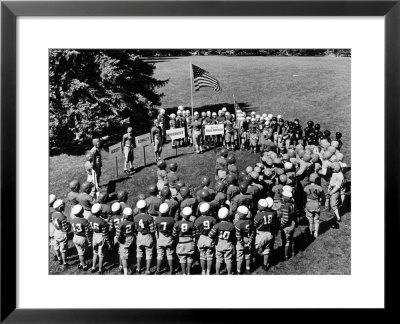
(143, 140)
(114, 150)
(176, 133)
(217, 129)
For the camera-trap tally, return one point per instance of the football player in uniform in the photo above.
(105, 208)
(122, 198)
(203, 225)
(220, 196)
(241, 199)
(245, 238)
(156, 136)
(232, 189)
(266, 225)
(287, 214)
(145, 227)
(309, 129)
(52, 199)
(162, 179)
(84, 199)
(165, 242)
(224, 233)
(61, 228)
(153, 202)
(72, 197)
(185, 233)
(125, 235)
(338, 137)
(97, 162)
(334, 190)
(254, 135)
(229, 140)
(101, 237)
(127, 144)
(314, 194)
(232, 168)
(172, 203)
(82, 235)
(173, 178)
(221, 165)
(187, 201)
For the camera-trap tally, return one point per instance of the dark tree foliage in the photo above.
(97, 93)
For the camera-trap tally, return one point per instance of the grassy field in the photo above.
(306, 88)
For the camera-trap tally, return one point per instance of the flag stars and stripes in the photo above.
(202, 78)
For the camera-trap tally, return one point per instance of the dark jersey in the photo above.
(231, 192)
(314, 192)
(244, 228)
(204, 224)
(287, 213)
(223, 231)
(240, 200)
(60, 221)
(184, 228)
(266, 221)
(113, 221)
(144, 224)
(80, 227)
(99, 225)
(173, 208)
(165, 225)
(220, 198)
(85, 200)
(124, 229)
(172, 178)
(277, 191)
(153, 204)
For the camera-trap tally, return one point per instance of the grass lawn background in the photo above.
(297, 87)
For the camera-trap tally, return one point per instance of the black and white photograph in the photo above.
(200, 161)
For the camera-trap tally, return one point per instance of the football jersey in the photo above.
(287, 214)
(228, 126)
(313, 191)
(184, 228)
(113, 221)
(165, 225)
(99, 225)
(162, 175)
(266, 221)
(232, 169)
(153, 204)
(72, 198)
(240, 200)
(231, 192)
(173, 208)
(105, 211)
(124, 205)
(60, 221)
(224, 231)
(85, 200)
(144, 223)
(220, 198)
(124, 229)
(204, 224)
(221, 164)
(80, 226)
(244, 228)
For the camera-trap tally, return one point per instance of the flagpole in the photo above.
(191, 86)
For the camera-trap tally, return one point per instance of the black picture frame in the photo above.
(10, 10)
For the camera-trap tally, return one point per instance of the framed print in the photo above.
(198, 155)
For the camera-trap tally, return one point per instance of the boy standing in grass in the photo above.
(61, 228)
(82, 235)
(125, 236)
(127, 144)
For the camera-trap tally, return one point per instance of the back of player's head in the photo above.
(152, 189)
(184, 191)
(141, 196)
(231, 159)
(86, 187)
(307, 157)
(74, 185)
(257, 169)
(223, 213)
(219, 186)
(314, 158)
(270, 202)
(336, 167)
(161, 165)
(249, 169)
(243, 187)
(288, 166)
(141, 205)
(262, 205)
(332, 149)
(204, 195)
(52, 199)
(287, 195)
(165, 193)
(77, 210)
(102, 198)
(204, 208)
(205, 181)
(224, 152)
(179, 184)
(242, 211)
(127, 213)
(230, 179)
(285, 157)
(186, 212)
(116, 208)
(254, 175)
(338, 135)
(96, 210)
(122, 196)
(268, 174)
(173, 166)
(339, 156)
(58, 205)
(95, 141)
(277, 162)
(89, 157)
(163, 209)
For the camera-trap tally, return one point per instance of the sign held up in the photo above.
(217, 129)
(176, 133)
(143, 140)
(114, 150)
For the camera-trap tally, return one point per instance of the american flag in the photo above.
(204, 79)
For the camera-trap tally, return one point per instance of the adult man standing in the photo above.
(127, 144)
(95, 151)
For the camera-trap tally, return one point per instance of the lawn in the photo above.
(306, 88)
